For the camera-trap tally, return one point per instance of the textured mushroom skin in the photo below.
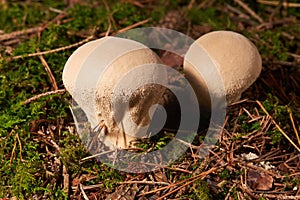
(237, 59)
(74, 63)
(96, 101)
(71, 74)
(140, 101)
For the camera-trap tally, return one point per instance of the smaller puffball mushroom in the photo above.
(93, 75)
(236, 58)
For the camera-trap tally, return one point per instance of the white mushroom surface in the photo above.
(107, 79)
(236, 58)
(117, 82)
(71, 79)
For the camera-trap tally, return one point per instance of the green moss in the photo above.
(23, 177)
(126, 14)
(199, 190)
(272, 45)
(212, 16)
(224, 174)
(87, 16)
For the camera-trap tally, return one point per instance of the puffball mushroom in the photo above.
(93, 74)
(236, 59)
(118, 83)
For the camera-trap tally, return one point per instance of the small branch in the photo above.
(88, 187)
(55, 50)
(81, 42)
(242, 163)
(13, 151)
(83, 193)
(108, 29)
(184, 182)
(237, 11)
(198, 177)
(61, 91)
(249, 10)
(144, 182)
(276, 3)
(167, 167)
(96, 155)
(20, 146)
(66, 180)
(271, 24)
(49, 72)
(133, 26)
(15, 34)
(294, 126)
(277, 126)
(136, 3)
(110, 16)
(281, 196)
(191, 4)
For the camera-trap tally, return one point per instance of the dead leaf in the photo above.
(259, 180)
(172, 59)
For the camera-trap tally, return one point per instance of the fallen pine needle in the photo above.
(83, 193)
(144, 182)
(294, 126)
(16, 34)
(133, 26)
(55, 50)
(80, 42)
(198, 177)
(249, 10)
(277, 126)
(184, 182)
(276, 3)
(49, 72)
(61, 91)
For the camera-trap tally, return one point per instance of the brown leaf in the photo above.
(171, 59)
(259, 180)
(160, 176)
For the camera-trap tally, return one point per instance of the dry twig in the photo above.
(144, 182)
(49, 72)
(61, 91)
(133, 26)
(276, 3)
(15, 34)
(83, 193)
(294, 126)
(55, 50)
(249, 10)
(110, 16)
(81, 42)
(188, 181)
(277, 126)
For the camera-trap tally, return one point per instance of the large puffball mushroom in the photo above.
(82, 95)
(113, 81)
(236, 58)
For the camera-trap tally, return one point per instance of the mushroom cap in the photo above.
(75, 61)
(83, 96)
(236, 58)
(133, 106)
(94, 71)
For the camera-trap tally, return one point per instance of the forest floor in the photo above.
(257, 155)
